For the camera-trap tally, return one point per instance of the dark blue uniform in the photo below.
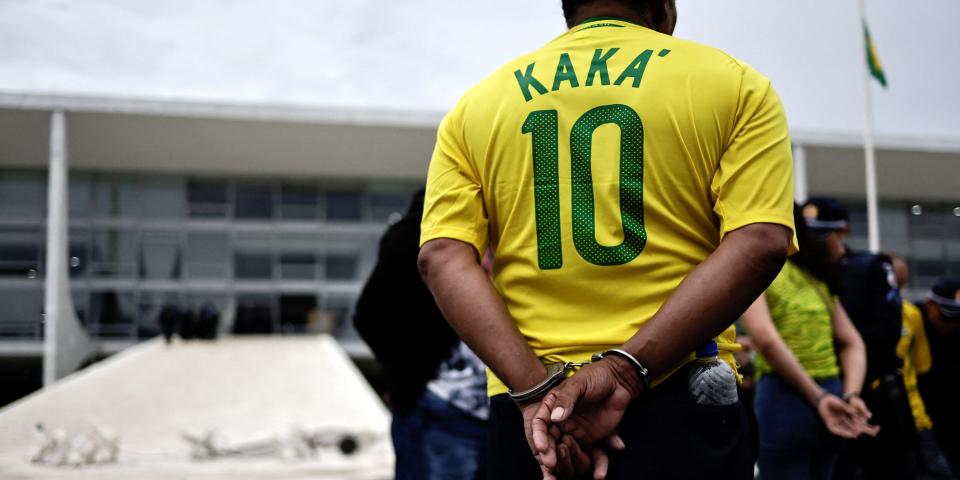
(870, 295)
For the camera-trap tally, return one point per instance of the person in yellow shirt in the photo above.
(810, 366)
(914, 350)
(636, 190)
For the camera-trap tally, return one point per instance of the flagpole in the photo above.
(873, 229)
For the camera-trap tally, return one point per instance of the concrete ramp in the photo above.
(246, 389)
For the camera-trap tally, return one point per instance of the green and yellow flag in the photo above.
(873, 61)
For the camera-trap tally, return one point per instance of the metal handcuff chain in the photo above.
(557, 373)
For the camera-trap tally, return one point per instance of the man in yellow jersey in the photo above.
(636, 191)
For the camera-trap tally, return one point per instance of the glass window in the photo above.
(344, 206)
(116, 196)
(252, 258)
(208, 255)
(80, 195)
(21, 313)
(23, 194)
(132, 201)
(253, 202)
(341, 266)
(114, 253)
(20, 252)
(114, 313)
(162, 197)
(298, 202)
(298, 256)
(79, 258)
(81, 305)
(206, 199)
(160, 255)
(298, 266)
(105, 201)
(388, 205)
(252, 266)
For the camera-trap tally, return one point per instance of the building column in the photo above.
(66, 343)
(799, 173)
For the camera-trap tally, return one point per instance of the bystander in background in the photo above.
(436, 386)
(914, 351)
(940, 386)
(802, 403)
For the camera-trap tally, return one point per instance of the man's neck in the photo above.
(616, 9)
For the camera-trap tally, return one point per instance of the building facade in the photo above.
(269, 215)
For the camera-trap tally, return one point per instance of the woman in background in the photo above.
(803, 406)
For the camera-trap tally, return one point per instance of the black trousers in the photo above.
(892, 453)
(668, 436)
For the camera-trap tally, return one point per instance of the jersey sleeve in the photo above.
(453, 204)
(754, 181)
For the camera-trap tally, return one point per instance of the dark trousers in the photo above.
(794, 442)
(668, 436)
(437, 441)
(892, 453)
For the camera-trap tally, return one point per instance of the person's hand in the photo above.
(534, 414)
(843, 419)
(590, 404)
(588, 408)
(561, 456)
(862, 414)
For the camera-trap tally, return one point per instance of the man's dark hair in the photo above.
(812, 256)
(641, 7)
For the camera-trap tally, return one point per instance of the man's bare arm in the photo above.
(712, 296)
(476, 311)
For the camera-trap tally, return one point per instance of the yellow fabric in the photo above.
(804, 320)
(914, 350)
(715, 157)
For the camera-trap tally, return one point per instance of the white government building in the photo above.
(252, 169)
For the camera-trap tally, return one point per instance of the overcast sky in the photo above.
(423, 54)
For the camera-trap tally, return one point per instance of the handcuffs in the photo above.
(557, 372)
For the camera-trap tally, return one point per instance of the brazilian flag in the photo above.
(873, 61)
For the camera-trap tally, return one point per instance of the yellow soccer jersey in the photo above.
(601, 169)
(914, 350)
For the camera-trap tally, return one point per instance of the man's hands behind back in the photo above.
(582, 415)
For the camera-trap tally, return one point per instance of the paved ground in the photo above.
(244, 388)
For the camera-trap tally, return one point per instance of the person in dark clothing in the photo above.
(169, 321)
(870, 294)
(940, 386)
(435, 385)
(397, 317)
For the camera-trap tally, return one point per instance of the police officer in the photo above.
(869, 293)
(940, 386)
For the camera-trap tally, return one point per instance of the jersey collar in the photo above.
(603, 19)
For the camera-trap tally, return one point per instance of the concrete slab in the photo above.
(244, 388)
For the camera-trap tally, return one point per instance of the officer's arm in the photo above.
(466, 296)
(712, 296)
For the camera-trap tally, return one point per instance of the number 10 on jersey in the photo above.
(543, 125)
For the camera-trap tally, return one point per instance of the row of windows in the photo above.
(23, 195)
(153, 254)
(267, 256)
(137, 314)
